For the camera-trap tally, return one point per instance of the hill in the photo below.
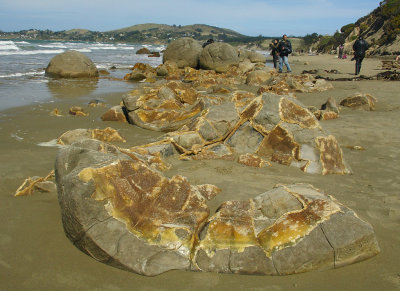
(150, 33)
(381, 28)
(164, 33)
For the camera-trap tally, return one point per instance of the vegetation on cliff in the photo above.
(381, 28)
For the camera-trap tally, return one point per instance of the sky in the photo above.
(248, 17)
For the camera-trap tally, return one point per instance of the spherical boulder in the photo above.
(219, 57)
(185, 52)
(71, 64)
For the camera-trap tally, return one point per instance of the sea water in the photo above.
(23, 63)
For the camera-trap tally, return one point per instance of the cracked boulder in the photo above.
(141, 71)
(117, 208)
(107, 135)
(287, 230)
(284, 84)
(278, 128)
(165, 108)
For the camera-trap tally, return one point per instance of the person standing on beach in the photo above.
(274, 52)
(359, 47)
(341, 49)
(284, 49)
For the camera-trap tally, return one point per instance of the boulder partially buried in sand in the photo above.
(360, 101)
(278, 128)
(290, 229)
(166, 108)
(71, 64)
(117, 208)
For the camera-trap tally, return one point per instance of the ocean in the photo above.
(23, 63)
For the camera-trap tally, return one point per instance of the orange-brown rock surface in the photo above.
(118, 208)
(108, 135)
(290, 229)
(164, 108)
(141, 71)
(360, 101)
(278, 128)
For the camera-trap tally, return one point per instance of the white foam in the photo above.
(13, 135)
(22, 74)
(53, 45)
(84, 50)
(8, 45)
(36, 52)
(103, 48)
(127, 48)
(50, 143)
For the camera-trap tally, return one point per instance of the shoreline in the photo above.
(36, 254)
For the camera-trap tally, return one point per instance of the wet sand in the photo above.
(36, 255)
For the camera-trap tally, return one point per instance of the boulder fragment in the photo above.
(360, 101)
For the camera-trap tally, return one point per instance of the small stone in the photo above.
(77, 111)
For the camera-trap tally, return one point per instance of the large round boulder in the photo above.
(185, 52)
(219, 57)
(71, 64)
(118, 207)
(253, 56)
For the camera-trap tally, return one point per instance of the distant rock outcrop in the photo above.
(71, 64)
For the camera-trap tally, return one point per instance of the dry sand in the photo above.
(36, 255)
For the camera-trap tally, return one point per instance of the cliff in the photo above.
(381, 29)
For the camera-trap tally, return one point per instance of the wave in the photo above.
(23, 74)
(8, 45)
(103, 48)
(84, 50)
(107, 66)
(54, 45)
(50, 143)
(36, 52)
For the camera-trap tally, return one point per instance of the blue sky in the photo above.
(249, 17)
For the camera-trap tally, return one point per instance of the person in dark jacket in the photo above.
(209, 41)
(274, 52)
(359, 47)
(284, 49)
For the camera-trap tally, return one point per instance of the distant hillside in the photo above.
(166, 33)
(151, 33)
(381, 28)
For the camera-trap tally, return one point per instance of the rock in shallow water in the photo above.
(71, 64)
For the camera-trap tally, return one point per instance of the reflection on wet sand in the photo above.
(71, 88)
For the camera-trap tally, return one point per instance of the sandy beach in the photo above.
(36, 255)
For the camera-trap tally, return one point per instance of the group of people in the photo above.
(280, 51)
